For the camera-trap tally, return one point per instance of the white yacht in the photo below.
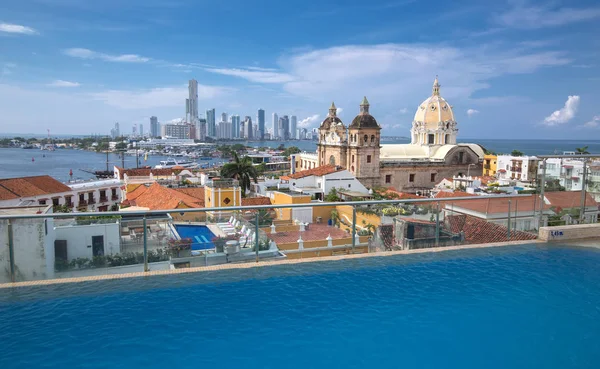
(170, 163)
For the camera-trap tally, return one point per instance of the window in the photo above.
(55, 201)
(366, 138)
(349, 185)
(411, 177)
(432, 177)
(461, 157)
(368, 158)
(431, 139)
(372, 138)
(42, 202)
(388, 178)
(353, 158)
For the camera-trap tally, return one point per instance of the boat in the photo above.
(170, 163)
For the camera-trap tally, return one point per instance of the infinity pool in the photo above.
(510, 307)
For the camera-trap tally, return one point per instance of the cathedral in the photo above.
(432, 154)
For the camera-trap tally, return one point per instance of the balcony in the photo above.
(487, 166)
(83, 203)
(103, 199)
(114, 197)
(91, 201)
(516, 169)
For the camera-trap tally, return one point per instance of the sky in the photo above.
(510, 69)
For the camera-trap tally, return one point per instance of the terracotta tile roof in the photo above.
(157, 197)
(252, 201)
(392, 193)
(480, 231)
(568, 199)
(446, 194)
(14, 188)
(318, 171)
(488, 179)
(196, 192)
(316, 232)
(495, 205)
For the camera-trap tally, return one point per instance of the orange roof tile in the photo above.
(253, 201)
(496, 205)
(318, 171)
(14, 188)
(157, 197)
(480, 231)
(196, 192)
(144, 172)
(568, 199)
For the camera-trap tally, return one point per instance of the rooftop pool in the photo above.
(200, 235)
(532, 306)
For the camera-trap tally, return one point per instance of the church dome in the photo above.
(332, 119)
(434, 109)
(364, 119)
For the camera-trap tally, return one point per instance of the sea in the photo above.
(16, 162)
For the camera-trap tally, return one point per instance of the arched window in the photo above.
(332, 160)
(353, 168)
(366, 138)
(372, 138)
(447, 139)
(353, 158)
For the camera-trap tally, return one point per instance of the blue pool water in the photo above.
(517, 307)
(201, 235)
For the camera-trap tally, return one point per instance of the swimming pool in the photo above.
(508, 307)
(201, 235)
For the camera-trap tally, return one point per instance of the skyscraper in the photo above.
(223, 117)
(235, 126)
(210, 123)
(261, 124)
(248, 128)
(154, 131)
(293, 128)
(141, 130)
(115, 132)
(280, 128)
(201, 129)
(193, 101)
(286, 127)
(275, 126)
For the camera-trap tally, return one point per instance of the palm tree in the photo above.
(582, 150)
(242, 170)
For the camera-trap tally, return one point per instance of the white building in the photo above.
(517, 168)
(275, 127)
(569, 172)
(165, 142)
(224, 130)
(45, 190)
(321, 180)
(303, 161)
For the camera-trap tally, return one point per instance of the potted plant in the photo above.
(176, 246)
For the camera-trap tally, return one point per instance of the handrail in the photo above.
(256, 207)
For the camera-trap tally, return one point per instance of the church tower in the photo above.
(434, 123)
(333, 140)
(364, 134)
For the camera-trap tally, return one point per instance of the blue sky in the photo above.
(512, 69)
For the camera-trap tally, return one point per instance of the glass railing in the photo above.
(42, 245)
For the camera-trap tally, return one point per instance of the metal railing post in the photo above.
(257, 236)
(437, 225)
(583, 193)
(145, 246)
(508, 233)
(11, 251)
(542, 187)
(353, 227)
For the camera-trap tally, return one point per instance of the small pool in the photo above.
(506, 307)
(201, 235)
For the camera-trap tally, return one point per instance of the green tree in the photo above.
(332, 196)
(582, 150)
(290, 150)
(121, 146)
(242, 170)
(61, 209)
(516, 153)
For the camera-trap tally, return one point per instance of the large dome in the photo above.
(434, 109)
(332, 119)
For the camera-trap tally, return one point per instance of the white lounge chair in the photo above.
(231, 219)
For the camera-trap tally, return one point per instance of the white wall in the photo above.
(341, 180)
(33, 249)
(79, 239)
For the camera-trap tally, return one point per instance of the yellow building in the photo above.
(489, 165)
(220, 194)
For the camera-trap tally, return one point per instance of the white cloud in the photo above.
(311, 121)
(471, 112)
(565, 114)
(61, 83)
(156, 97)
(254, 75)
(595, 122)
(339, 110)
(7, 69)
(531, 17)
(17, 28)
(403, 110)
(90, 54)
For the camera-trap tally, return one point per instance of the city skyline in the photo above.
(510, 69)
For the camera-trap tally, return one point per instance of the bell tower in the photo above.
(333, 140)
(364, 147)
